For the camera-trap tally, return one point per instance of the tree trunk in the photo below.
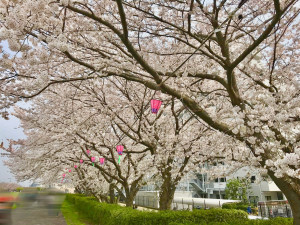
(167, 192)
(111, 194)
(78, 190)
(292, 195)
(103, 198)
(130, 195)
(129, 199)
(120, 195)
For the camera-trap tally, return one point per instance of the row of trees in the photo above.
(229, 65)
(9, 187)
(159, 148)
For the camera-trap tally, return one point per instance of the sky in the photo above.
(9, 129)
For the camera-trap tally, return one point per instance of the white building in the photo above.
(204, 187)
(201, 186)
(265, 190)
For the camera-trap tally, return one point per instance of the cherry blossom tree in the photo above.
(174, 144)
(233, 64)
(171, 137)
(58, 138)
(8, 186)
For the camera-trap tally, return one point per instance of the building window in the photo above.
(279, 195)
(203, 195)
(253, 178)
(268, 198)
(223, 179)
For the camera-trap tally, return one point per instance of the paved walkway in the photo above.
(251, 217)
(35, 214)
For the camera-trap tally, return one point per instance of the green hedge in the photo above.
(235, 205)
(104, 214)
(274, 221)
(112, 214)
(240, 206)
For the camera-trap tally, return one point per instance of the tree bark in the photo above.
(129, 200)
(120, 195)
(130, 195)
(292, 195)
(103, 198)
(111, 194)
(167, 192)
(78, 190)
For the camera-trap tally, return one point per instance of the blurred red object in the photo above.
(6, 203)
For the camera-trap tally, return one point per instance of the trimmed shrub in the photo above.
(273, 221)
(103, 213)
(235, 205)
(112, 214)
(240, 206)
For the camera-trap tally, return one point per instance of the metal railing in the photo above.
(274, 209)
(197, 185)
(146, 201)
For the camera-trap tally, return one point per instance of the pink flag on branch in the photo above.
(93, 160)
(81, 161)
(75, 166)
(120, 149)
(88, 151)
(70, 171)
(64, 175)
(155, 105)
(102, 161)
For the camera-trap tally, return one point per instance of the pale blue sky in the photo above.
(9, 129)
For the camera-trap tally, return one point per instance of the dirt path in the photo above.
(35, 214)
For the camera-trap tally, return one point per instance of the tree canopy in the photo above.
(233, 66)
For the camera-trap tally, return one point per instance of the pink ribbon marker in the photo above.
(120, 149)
(93, 160)
(155, 105)
(102, 161)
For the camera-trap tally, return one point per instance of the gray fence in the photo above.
(274, 209)
(146, 201)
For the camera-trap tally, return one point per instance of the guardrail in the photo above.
(182, 203)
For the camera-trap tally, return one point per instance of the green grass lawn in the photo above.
(72, 216)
